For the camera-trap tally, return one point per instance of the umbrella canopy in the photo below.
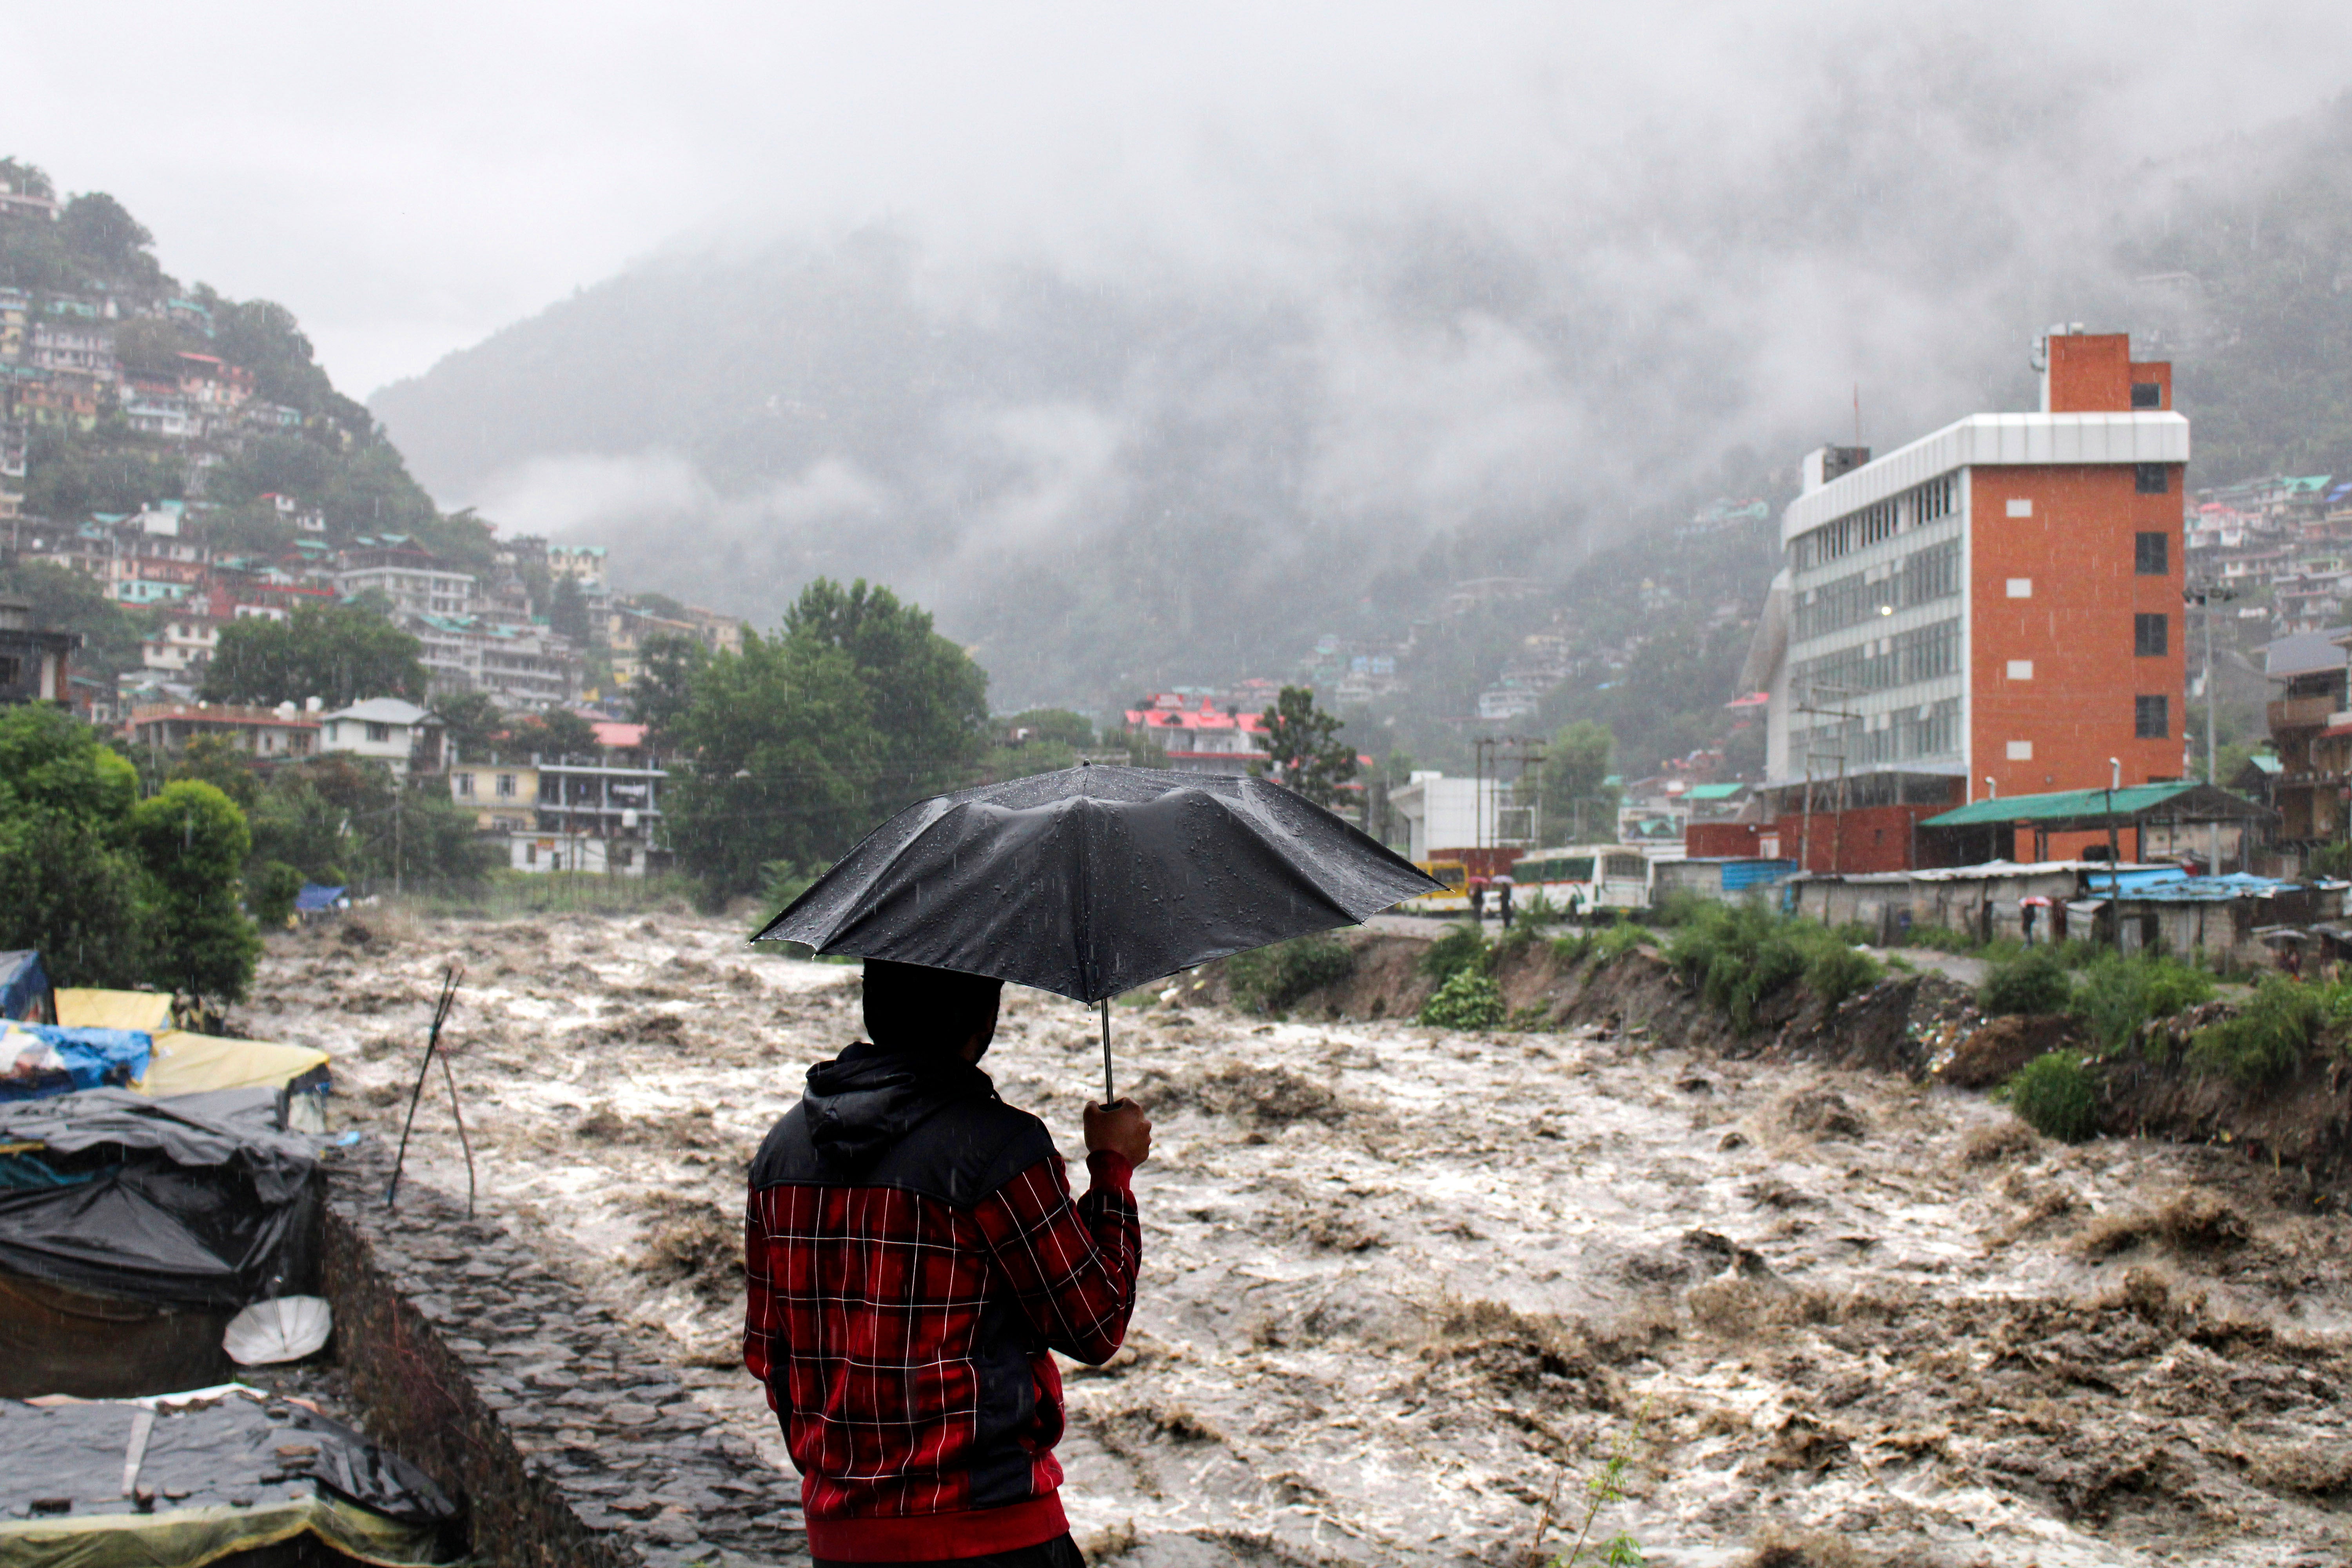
(1091, 881)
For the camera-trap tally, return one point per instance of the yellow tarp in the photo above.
(197, 1535)
(79, 1007)
(193, 1064)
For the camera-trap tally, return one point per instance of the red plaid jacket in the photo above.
(900, 1313)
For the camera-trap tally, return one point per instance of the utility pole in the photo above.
(397, 854)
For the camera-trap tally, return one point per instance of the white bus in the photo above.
(1584, 877)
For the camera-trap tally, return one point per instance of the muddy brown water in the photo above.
(1406, 1290)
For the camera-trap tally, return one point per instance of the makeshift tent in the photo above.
(81, 1008)
(39, 1060)
(120, 1216)
(23, 986)
(314, 898)
(183, 1480)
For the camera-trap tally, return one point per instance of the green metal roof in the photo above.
(2094, 807)
(1712, 791)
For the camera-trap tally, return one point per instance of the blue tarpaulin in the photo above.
(74, 1058)
(313, 898)
(23, 983)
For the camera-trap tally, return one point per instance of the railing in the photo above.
(2301, 712)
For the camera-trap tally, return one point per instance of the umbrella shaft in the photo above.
(1108, 1093)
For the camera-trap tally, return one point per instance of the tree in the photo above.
(785, 749)
(221, 763)
(69, 884)
(472, 723)
(560, 732)
(1578, 806)
(927, 698)
(1053, 725)
(102, 233)
(667, 667)
(1303, 749)
(568, 614)
(194, 842)
(337, 653)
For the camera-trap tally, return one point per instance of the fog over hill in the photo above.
(1304, 386)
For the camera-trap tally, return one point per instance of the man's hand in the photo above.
(1121, 1127)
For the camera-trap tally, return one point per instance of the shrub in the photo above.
(1740, 954)
(2053, 1095)
(2267, 1038)
(2032, 982)
(2118, 995)
(1834, 973)
(1462, 947)
(1272, 979)
(1469, 1000)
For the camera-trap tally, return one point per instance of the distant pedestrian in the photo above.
(2025, 921)
(1503, 900)
(2291, 960)
(1478, 905)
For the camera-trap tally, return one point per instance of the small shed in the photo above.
(1728, 877)
(2136, 820)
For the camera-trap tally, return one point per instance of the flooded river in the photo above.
(1407, 1291)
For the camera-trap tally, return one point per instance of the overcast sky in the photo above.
(410, 177)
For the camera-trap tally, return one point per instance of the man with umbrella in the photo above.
(912, 1250)
(913, 1254)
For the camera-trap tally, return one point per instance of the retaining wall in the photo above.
(573, 1445)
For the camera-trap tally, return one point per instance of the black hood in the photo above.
(864, 1100)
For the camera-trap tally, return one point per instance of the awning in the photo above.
(2085, 906)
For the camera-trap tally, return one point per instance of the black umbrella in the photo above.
(1090, 881)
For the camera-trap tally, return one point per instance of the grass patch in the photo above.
(2267, 1038)
(1273, 979)
(2052, 1094)
(1469, 1000)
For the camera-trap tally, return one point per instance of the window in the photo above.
(465, 786)
(2151, 718)
(378, 733)
(2151, 635)
(2155, 478)
(12, 670)
(2148, 395)
(506, 786)
(2151, 554)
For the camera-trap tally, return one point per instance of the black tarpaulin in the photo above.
(161, 1481)
(1091, 881)
(200, 1201)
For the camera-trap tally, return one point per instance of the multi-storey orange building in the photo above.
(1995, 607)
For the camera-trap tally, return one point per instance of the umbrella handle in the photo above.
(1108, 1094)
